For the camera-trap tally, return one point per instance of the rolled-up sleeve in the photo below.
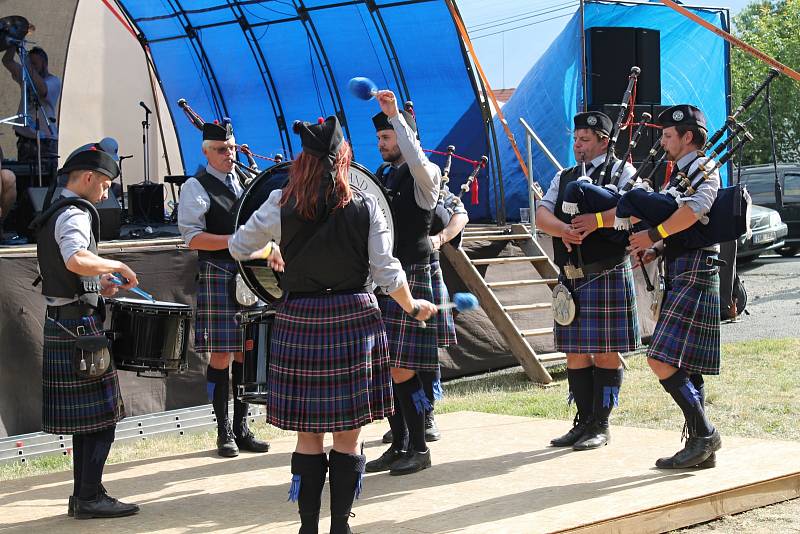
(452, 203)
(427, 175)
(549, 199)
(192, 208)
(73, 232)
(385, 269)
(627, 173)
(261, 228)
(701, 201)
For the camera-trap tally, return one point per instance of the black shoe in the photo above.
(71, 504)
(249, 442)
(226, 443)
(709, 462)
(103, 506)
(570, 438)
(594, 437)
(431, 430)
(411, 463)
(698, 450)
(388, 437)
(385, 461)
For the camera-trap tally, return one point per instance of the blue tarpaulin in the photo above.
(267, 64)
(694, 70)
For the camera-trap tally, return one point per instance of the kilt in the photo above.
(70, 404)
(606, 318)
(445, 326)
(215, 328)
(410, 345)
(687, 331)
(329, 364)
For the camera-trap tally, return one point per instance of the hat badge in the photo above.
(677, 116)
(591, 120)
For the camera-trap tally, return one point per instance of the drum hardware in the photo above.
(256, 329)
(563, 305)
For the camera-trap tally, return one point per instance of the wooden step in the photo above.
(485, 232)
(527, 307)
(516, 283)
(552, 357)
(504, 237)
(536, 332)
(509, 259)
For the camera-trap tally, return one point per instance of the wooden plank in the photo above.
(519, 347)
(527, 307)
(531, 247)
(536, 332)
(504, 237)
(509, 259)
(119, 245)
(552, 357)
(516, 283)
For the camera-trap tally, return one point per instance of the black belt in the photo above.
(70, 312)
(326, 292)
(600, 265)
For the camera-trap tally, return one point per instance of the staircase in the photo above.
(543, 273)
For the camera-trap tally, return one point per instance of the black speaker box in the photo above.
(146, 203)
(109, 211)
(610, 54)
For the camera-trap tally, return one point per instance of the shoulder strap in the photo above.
(81, 203)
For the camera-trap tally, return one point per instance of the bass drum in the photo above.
(262, 280)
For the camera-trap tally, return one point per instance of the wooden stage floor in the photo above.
(491, 474)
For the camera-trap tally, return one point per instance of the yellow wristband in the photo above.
(663, 233)
(266, 251)
(599, 219)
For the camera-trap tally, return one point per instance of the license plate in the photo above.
(766, 237)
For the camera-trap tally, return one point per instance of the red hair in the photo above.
(304, 180)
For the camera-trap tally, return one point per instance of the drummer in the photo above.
(329, 362)
(206, 221)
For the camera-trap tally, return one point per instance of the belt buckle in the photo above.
(572, 272)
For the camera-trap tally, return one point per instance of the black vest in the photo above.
(57, 280)
(328, 255)
(602, 244)
(412, 224)
(221, 215)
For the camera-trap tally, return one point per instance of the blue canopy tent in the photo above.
(694, 69)
(267, 64)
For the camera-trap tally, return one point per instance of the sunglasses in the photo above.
(224, 149)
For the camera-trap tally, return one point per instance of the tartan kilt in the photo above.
(70, 404)
(445, 326)
(686, 335)
(606, 318)
(410, 345)
(329, 364)
(215, 328)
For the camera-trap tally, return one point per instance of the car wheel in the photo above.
(787, 252)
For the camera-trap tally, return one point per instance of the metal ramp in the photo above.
(543, 273)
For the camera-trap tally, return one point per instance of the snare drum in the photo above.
(256, 328)
(150, 337)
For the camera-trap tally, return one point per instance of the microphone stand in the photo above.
(122, 187)
(146, 144)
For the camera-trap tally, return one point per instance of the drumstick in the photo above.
(461, 302)
(363, 88)
(119, 280)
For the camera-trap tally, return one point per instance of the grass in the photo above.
(757, 395)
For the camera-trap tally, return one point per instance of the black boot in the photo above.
(696, 453)
(581, 387)
(699, 384)
(103, 506)
(218, 385)
(398, 434)
(308, 479)
(604, 398)
(346, 473)
(431, 430)
(245, 439)
(413, 405)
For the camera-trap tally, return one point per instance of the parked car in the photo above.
(760, 180)
(769, 233)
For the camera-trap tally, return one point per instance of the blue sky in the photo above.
(510, 35)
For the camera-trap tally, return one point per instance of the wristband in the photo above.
(415, 310)
(266, 251)
(661, 231)
(599, 217)
(654, 235)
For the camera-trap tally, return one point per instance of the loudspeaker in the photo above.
(146, 203)
(645, 141)
(610, 54)
(109, 211)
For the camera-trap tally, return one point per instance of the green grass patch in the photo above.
(757, 395)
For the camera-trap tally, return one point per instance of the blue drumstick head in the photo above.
(363, 88)
(465, 301)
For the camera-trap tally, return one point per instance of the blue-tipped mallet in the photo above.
(119, 280)
(461, 302)
(363, 88)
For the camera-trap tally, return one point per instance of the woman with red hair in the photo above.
(329, 361)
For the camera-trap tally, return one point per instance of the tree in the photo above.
(772, 27)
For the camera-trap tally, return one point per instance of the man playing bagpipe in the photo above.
(686, 344)
(605, 321)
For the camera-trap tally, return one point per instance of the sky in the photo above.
(510, 35)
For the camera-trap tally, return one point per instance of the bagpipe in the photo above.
(251, 168)
(728, 218)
